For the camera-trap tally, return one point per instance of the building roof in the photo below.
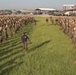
(24, 11)
(47, 9)
(69, 5)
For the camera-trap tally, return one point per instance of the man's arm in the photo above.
(29, 40)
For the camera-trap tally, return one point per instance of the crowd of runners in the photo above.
(68, 25)
(10, 25)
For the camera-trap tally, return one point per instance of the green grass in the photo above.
(51, 52)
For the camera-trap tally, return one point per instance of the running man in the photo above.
(24, 39)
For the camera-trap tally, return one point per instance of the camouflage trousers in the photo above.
(74, 41)
(25, 45)
(1, 39)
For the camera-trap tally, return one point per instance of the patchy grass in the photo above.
(51, 52)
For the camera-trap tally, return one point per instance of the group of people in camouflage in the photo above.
(10, 25)
(68, 25)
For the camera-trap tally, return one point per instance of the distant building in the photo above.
(44, 10)
(69, 7)
(24, 11)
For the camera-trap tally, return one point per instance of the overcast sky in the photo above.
(33, 4)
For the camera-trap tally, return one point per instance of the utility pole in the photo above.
(12, 7)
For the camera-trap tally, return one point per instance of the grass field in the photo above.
(51, 52)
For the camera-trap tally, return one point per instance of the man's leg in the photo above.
(26, 46)
(23, 44)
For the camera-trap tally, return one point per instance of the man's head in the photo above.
(23, 33)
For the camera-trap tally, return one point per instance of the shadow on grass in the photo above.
(8, 50)
(7, 70)
(12, 44)
(40, 45)
(12, 54)
(7, 42)
(10, 62)
(9, 65)
(8, 56)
